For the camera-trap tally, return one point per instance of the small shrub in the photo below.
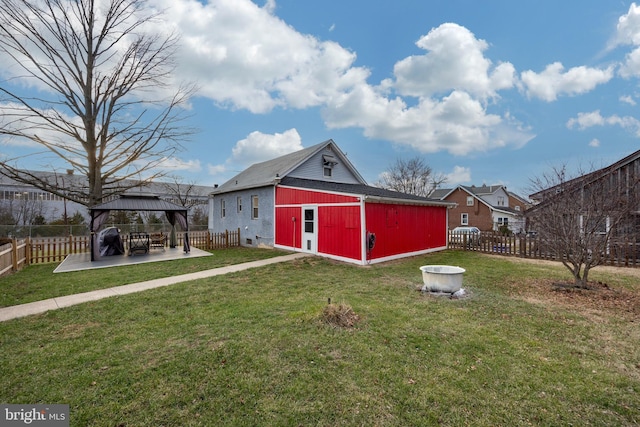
(339, 315)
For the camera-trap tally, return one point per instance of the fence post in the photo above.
(14, 254)
(27, 251)
(238, 241)
(226, 238)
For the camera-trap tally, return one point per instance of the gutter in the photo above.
(379, 199)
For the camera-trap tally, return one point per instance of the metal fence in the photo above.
(619, 253)
(18, 253)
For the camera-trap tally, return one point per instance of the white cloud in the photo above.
(176, 164)
(454, 61)
(594, 118)
(627, 99)
(628, 33)
(259, 147)
(553, 81)
(586, 120)
(456, 123)
(216, 169)
(628, 28)
(243, 56)
(595, 143)
(631, 65)
(452, 82)
(459, 175)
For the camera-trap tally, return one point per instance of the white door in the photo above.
(310, 229)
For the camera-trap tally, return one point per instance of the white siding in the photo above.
(313, 169)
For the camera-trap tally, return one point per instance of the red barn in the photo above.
(315, 201)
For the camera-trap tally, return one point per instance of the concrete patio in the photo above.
(77, 262)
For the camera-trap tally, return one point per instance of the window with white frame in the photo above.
(254, 207)
(464, 219)
(328, 162)
(500, 200)
(469, 200)
(503, 222)
(223, 208)
(239, 204)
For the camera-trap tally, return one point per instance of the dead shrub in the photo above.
(339, 315)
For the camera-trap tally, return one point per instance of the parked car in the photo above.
(471, 234)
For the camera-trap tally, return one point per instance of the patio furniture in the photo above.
(138, 243)
(157, 240)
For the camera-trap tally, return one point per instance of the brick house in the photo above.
(487, 207)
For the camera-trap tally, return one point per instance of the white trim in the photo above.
(337, 193)
(319, 204)
(407, 254)
(363, 233)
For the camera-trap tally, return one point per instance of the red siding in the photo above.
(288, 232)
(405, 228)
(339, 231)
(292, 196)
(399, 229)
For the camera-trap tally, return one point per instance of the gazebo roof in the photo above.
(139, 202)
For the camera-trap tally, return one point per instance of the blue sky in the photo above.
(492, 92)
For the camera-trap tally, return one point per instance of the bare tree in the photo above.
(185, 194)
(98, 96)
(411, 176)
(576, 218)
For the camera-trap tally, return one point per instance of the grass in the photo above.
(37, 282)
(251, 349)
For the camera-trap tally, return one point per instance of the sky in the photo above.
(491, 92)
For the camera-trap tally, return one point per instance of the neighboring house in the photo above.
(623, 180)
(487, 207)
(26, 202)
(315, 201)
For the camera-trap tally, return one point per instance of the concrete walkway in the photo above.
(38, 307)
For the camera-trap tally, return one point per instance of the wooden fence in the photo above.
(619, 253)
(22, 252)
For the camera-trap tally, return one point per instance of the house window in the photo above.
(328, 162)
(223, 208)
(517, 208)
(254, 207)
(503, 221)
(500, 200)
(464, 219)
(469, 200)
(239, 203)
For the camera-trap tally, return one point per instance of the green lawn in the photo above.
(249, 349)
(37, 282)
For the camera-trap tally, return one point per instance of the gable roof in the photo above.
(270, 172)
(369, 192)
(477, 193)
(588, 177)
(138, 202)
(483, 190)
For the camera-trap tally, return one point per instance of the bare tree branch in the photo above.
(99, 79)
(577, 218)
(412, 176)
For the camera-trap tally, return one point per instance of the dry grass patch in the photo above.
(339, 316)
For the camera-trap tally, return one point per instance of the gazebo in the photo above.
(138, 202)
